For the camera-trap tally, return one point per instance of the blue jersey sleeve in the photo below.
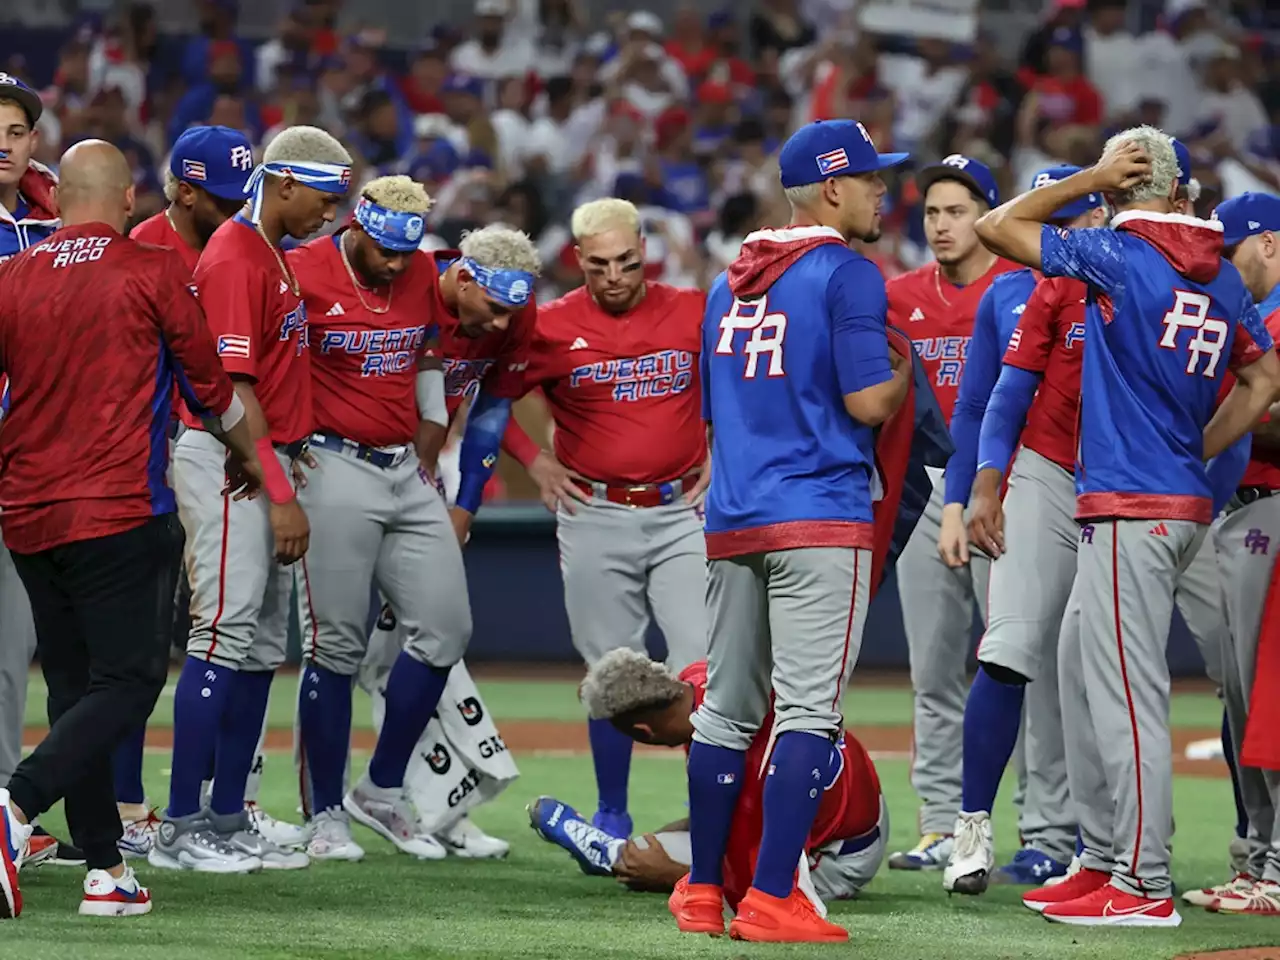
(1226, 470)
(1255, 326)
(1006, 413)
(858, 309)
(1095, 255)
(981, 369)
(486, 424)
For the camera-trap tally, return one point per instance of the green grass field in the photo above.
(537, 904)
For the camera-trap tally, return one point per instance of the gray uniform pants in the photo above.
(239, 594)
(619, 564)
(1115, 677)
(17, 647)
(390, 527)
(937, 616)
(788, 624)
(1244, 539)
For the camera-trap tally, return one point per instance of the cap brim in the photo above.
(888, 160)
(27, 99)
(930, 175)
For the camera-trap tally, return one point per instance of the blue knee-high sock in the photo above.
(992, 715)
(798, 769)
(238, 740)
(127, 766)
(198, 705)
(715, 780)
(413, 693)
(1229, 754)
(324, 718)
(611, 754)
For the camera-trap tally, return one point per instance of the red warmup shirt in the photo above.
(259, 326)
(91, 325)
(1264, 465)
(363, 364)
(159, 231)
(850, 805)
(938, 317)
(1049, 340)
(623, 391)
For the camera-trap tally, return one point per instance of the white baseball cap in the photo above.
(645, 22)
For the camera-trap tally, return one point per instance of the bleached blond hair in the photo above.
(501, 248)
(303, 144)
(170, 185)
(626, 681)
(607, 213)
(1158, 146)
(400, 194)
(802, 197)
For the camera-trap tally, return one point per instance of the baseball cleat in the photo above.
(108, 896)
(763, 918)
(1108, 906)
(558, 823)
(46, 850)
(1261, 899)
(330, 837)
(1079, 885)
(390, 814)
(13, 842)
(698, 908)
(190, 843)
(972, 855)
(1073, 868)
(1029, 868)
(1240, 885)
(616, 823)
(287, 835)
(139, 835)
(931, 853)
(239, 832)
(464, 839)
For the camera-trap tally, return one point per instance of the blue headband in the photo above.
(327, 177)
(390, 229)
(511, 288)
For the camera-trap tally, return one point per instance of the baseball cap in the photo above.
(14, 89)
(218, 160)
(831, 148)
(1247, 215)
(974, 174)
(1077, 207)
(1068, 39)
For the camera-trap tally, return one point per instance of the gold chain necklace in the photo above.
(360, 288)
(288, 275)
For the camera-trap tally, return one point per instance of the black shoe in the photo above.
(44, 848)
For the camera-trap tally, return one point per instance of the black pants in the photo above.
(104, 617)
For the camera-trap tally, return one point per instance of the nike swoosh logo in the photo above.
(1110, 911)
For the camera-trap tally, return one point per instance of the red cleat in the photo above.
(1078, 885)
(1110, 906)
(697, 907)
(763, 918)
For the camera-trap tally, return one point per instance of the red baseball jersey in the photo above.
(364, 364)
(1049, 340)
(1264, 465)
(259, 326)
(94, 329)
(850, 805)
(158, 230)
(624, 392)
(938, 317)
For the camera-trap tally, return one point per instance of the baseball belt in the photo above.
(638, 495)
(381, 457)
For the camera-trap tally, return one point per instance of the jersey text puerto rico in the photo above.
(653, 375)
(384, 351)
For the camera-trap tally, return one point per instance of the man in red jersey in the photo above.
(377, 515)
(617, 361)
(88, 514)
(935, 307)
(642, 699)
(237, 552)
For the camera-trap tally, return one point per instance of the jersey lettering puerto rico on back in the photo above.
(660, 374)
(73, 250)
(383, 351)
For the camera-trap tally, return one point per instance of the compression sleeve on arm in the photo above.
(429, 390)
(981, 369)
(485, 425)
(1006, 413)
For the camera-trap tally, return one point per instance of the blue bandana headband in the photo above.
(511, 288)
(390, 229)
(326, 177)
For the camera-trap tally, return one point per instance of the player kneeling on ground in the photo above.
(642, 699)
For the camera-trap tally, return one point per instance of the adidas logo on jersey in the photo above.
(1159, 530)
(579, 344)
(335, 311)
(916, 314)
(1018, 310)
(284, 287)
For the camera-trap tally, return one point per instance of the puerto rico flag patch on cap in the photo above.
(193, 170)
(832, 161)
(233, 346)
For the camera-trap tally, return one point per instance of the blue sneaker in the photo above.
(558, 823)
(616, 823)
(1029, 868)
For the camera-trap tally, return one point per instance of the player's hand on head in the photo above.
(305, 459)
(986, 514)
(555, 482)
(291, 529)
(1125, 166)
(953, 541)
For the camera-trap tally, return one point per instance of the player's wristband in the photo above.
(279, 489)
(429, 389)
(225, 422)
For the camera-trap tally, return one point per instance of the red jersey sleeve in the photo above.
(204, 383)
(1032, 341)
(233, 294)
(507, 376)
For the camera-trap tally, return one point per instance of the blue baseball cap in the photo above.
(831, 148)
(14, 89)
(1183, 156)
(1077, 208)
(1247, 215)
(974, 174)
(218, 160)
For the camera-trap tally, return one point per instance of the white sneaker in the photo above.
(973, 856)
(391, 814)
(13, 847)
(287, 835)
(464, 839)
(108, 896)
(329, 835)
(190, 843)
(1073, 868)
(139, 835)
(1240, 885)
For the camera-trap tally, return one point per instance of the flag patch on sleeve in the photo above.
(230, 345)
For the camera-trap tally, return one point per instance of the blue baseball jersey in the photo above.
(791, 467)
(1165, 318)
(19, 229)
(993, 325)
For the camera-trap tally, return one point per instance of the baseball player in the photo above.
(845, 846)
(1165, 317)
(237, 552)
(789, 517)
(617, 364)
(935, 306)
(380, 411)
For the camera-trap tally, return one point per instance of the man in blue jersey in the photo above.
(796, 374)
(1165, 317)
